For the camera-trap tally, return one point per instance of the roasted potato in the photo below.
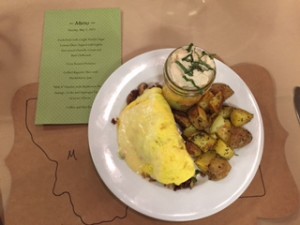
(193, 149)
(218, 122)
(221, 127)
(189, 131)
(198, 117)
(224, 132)
(239, 137)
(218, 168)
(239, 117)
(204, 160)
(204, 101)
(226, 111)
(215, 103)
(223, 150)
(223, 88)
(181, 119)
(204, 141)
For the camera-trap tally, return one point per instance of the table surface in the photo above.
(264, 33)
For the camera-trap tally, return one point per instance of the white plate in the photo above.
(150, 198)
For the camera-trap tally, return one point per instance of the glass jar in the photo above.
(189, 72)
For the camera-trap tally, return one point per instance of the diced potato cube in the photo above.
(204, 141)
(193, 149)
(239, 137)
(223, 88)
(226, 111)
(224, 132)
(204, 160)
(198, 117)
(217, 124)
(190, 131)
(203, 103)
(215, 103)
(223, 150)
(181, 119)
(239, 117)
(218, 168)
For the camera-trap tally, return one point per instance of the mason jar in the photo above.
(188, 73)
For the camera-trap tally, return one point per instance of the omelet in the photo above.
(150, 142)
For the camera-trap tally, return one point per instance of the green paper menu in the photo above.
(81, 48)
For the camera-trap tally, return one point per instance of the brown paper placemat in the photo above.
(54, 180)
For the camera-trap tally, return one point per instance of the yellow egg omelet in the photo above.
(150, 142)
